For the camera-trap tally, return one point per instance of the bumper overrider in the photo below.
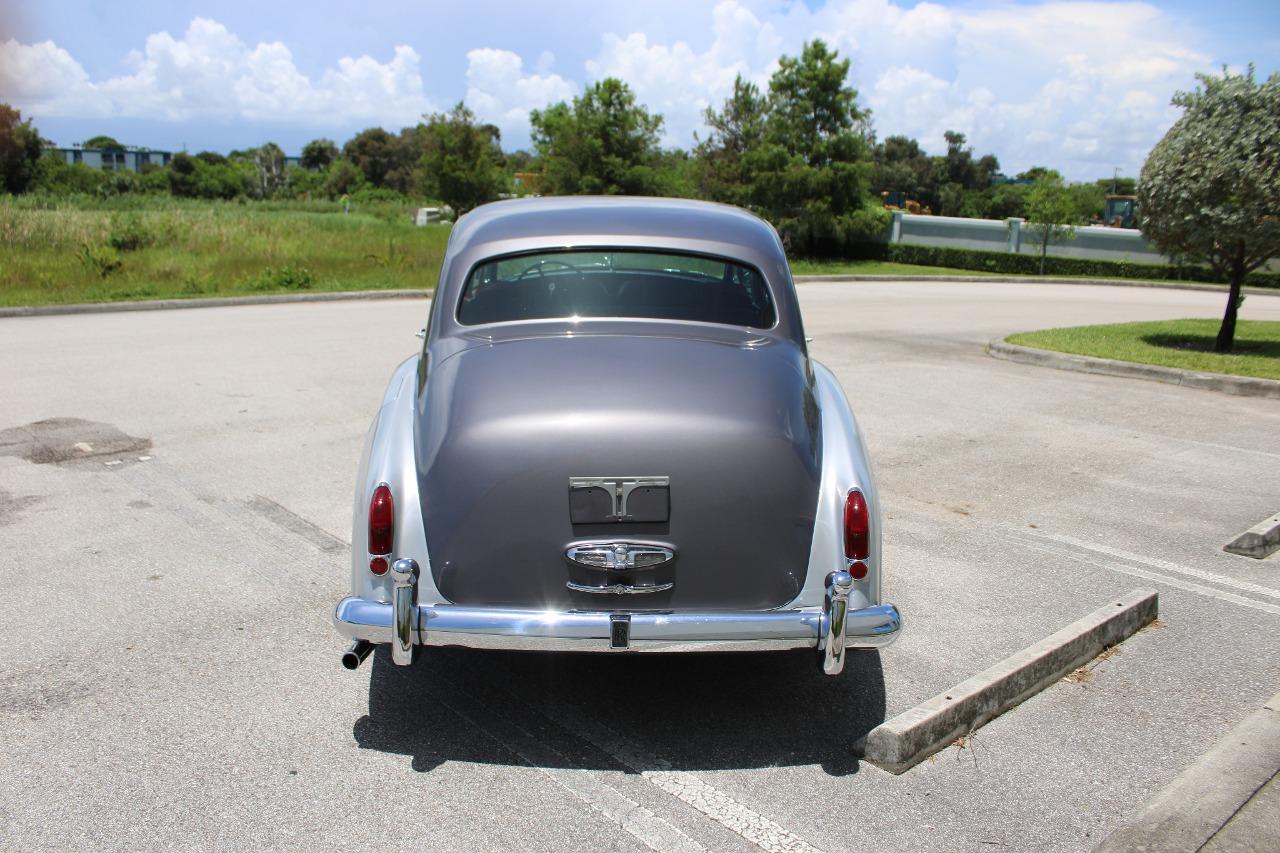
(402, 622)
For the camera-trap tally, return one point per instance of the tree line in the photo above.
(802, 152)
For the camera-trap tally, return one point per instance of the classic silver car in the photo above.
(613, 440)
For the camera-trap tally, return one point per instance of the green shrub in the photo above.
(129, 234)
(284, 278)
(103, 260)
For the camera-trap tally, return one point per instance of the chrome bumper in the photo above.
(601, 631)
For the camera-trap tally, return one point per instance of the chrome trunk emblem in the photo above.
(620, 556)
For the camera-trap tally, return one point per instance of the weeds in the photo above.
(129, 234)
(103, 260)
(284, 278)
(61, 250)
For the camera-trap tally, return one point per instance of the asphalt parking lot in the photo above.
(171, 680)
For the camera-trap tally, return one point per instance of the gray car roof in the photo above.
(677, 225)
(619, 216)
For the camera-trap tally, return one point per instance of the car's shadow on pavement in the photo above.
(622, 712)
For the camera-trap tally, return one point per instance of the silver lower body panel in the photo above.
(592, 631)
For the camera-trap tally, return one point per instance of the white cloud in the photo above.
(1057, 83)
(679, 82)
(209, 73)
(499, 91)
(40, 73)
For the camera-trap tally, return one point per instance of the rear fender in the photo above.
(845, 466)
(388, 458)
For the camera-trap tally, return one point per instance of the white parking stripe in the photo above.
(1155, 563)
(687, 787)
(1159, 577)
(649, 829)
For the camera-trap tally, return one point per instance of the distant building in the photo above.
(130, 158)
(127, 159)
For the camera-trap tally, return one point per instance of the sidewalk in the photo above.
(1228, 800)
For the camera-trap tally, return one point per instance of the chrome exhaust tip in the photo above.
(356, 653)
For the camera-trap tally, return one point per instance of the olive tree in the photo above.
(1210, 189)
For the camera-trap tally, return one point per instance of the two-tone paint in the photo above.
(481, 434)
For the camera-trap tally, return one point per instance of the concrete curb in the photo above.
(1258, 541)
(212, 302)
(1192, 808)
(899, 744)
(339, 295)
(1240, 386)
(1016, 279)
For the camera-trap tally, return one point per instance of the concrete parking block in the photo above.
(1210, 797)
(899, 744)
(1258, 541)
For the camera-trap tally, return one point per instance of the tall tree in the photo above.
(462, 162)
(1209, 190)
(20, 150)
(737, 129)
(342, 178)
(374, 152)
(900, 166)
(318, 154)
(604, 143)
(269, 162)
(813, 112)
(810, 176)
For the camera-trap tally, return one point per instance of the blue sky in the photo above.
(1080, 86)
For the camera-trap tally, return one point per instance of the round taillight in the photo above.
(857, 527)
(858, 569)
(382, 521)
(378, 565)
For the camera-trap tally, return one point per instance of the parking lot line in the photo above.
(1155, 563)
(640, 822)
(686, 787)
(1146, 574)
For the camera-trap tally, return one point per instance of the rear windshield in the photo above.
(620, 283)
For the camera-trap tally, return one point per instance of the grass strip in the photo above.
(1185, 344)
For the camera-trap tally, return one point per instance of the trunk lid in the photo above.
(504, 427)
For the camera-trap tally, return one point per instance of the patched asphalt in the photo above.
(171, 678)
